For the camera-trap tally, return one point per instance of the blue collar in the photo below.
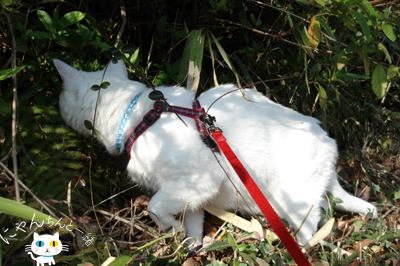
(47, 256)
(125, 118)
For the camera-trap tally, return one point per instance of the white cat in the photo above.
(47, 246)
(288, 154)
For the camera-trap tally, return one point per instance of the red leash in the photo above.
(262, 202)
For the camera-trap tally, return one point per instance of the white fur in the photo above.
(288, 154)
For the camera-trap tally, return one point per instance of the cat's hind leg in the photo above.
(350, 203)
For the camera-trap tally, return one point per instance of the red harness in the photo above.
(202, 119)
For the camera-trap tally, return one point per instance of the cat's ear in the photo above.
(119, 67)
(35, 235)
(66, 72)
(56, 235)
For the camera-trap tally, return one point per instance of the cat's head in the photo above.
(77, 100)
(46, 244)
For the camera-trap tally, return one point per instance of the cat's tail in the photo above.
(30, 253)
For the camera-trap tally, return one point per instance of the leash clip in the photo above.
(209, 120)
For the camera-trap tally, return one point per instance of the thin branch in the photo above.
(14, 123)
(28, 190)
(121, 30)
(274, 36)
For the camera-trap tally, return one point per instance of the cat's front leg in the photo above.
(194, 220)
(163, 208)
(165, 205)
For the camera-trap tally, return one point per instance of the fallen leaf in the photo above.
(190, 262)
(85, 264)
(249, 226)
(320, 235)
(320, 263)
(261, 262)
(142, 202)
(361, 244)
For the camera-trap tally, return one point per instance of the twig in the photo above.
(14, 123)
(123, 15)
(305, 218)
(113, 196)
(118, 218)
(297, 16)
(274, 36)
(29, 191)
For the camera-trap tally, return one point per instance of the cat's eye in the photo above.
(39, 243)
(53, 244)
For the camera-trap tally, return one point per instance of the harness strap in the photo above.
(262, 202)
(154, 114)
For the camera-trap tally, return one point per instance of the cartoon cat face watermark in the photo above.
(44, 247)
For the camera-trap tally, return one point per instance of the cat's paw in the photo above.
(372, 209)
(194, 246)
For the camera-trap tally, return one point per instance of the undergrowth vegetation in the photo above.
(336, 60)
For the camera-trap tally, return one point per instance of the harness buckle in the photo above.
(208, 119)
(151, 117)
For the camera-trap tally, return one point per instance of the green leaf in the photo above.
(110, 52)
(349, 23)
(194, 43)
(25, 212)
(46, 20)
(302, 30)
(366, 61)
(121, 261)
(244, 70)
(88, 124)
(392, 71)
(369, 10)
(156, 95)
(129, 49)
(101, 45)
(195, 60)
(8, 73)
(353, 76)
(337, 200)
(342, 59)
(104, 85)
(162, 23)
(385, 51)
(351, 3)
(363, 23)
(323, 97)
(226, 58)
(249, 257)
(231, 241)
(397, 193)
(388, 30)
(38, 34)
(56, 17)
(95, 88)
(219, 246)
(379, 81)
(150, 243)
(70, 19)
